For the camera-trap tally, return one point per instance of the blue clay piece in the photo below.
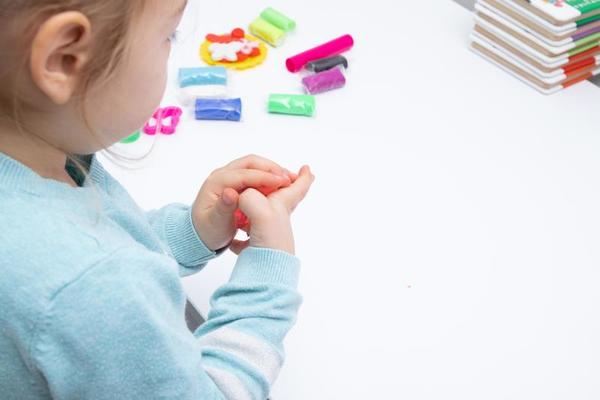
(219, 109)
(202, 76)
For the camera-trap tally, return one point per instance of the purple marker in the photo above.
(324, 81)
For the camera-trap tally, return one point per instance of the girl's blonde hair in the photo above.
(111, 21)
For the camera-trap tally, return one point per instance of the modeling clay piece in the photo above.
(279, 20)
(267, 32)
(164, 120)
(292, 104)
(241, 220)
(203, 82)
(325, 64)
(333, 48)
(225, 51)
(133, 138)
(219, 109)
(202, 76)
(233, 50)
(324, 81)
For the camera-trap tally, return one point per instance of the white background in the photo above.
(450, 243)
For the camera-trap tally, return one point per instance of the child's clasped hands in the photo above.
(242, 185)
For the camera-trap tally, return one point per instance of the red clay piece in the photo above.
(238, 33)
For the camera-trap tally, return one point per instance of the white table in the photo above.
(450, 244)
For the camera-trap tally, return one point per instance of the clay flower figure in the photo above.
(248, 46)
(234, 49)
(225, 51)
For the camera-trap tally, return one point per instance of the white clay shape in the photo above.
(225, 51)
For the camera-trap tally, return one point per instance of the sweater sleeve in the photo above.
(173, 224)
(119, 332)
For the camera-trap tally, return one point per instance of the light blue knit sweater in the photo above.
(91, 304)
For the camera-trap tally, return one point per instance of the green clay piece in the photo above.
(292, 104)
(267, 32)
(276, 18)
(132, 139)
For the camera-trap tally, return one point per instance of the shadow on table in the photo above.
(468, 4)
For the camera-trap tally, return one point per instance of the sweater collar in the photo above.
(14, 174)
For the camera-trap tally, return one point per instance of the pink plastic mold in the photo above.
(164, 120)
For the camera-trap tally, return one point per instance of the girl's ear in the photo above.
(60, 50)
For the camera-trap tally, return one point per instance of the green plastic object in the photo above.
(133, 138)
(292, 104)
(267, 32)
(276, 18)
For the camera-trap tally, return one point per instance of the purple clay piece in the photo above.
(324, 81)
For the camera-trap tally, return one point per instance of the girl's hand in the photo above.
(270, 225)
(213, 211)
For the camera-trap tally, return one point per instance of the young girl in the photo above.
(91, 304)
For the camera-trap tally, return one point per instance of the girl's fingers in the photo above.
(256, 162)
(253, 204)
(230, 197)
(294, 194)
(228, 203)
(237, 246)
(292, 175)
(242, 179)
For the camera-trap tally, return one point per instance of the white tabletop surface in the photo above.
(450, 245)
